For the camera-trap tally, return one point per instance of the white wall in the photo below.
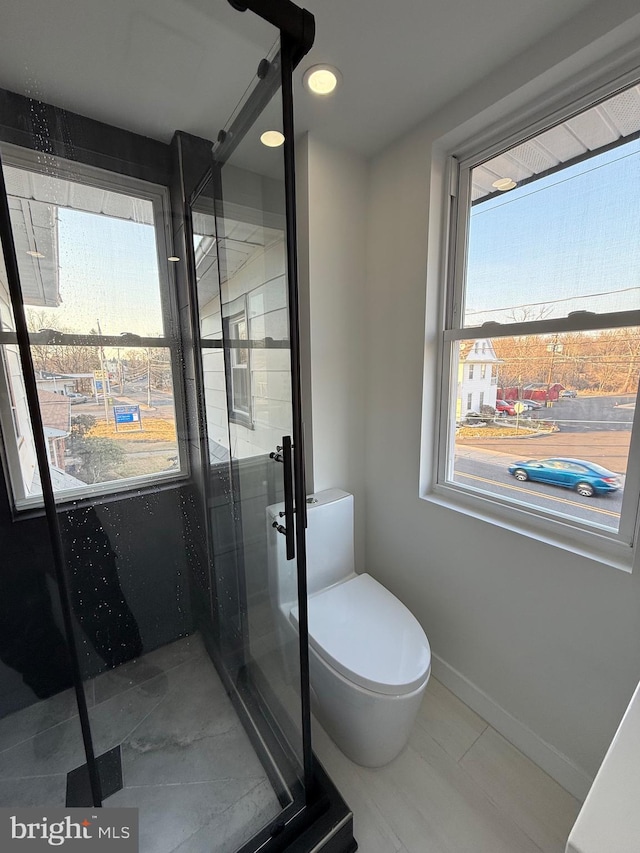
(332, 272)
(551, 638)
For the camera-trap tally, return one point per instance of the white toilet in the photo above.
(369, 658)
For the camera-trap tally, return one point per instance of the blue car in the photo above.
(587, 478)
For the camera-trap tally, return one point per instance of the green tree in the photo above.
(100, 457)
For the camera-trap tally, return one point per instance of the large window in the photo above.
(544, 292)
(94, 274)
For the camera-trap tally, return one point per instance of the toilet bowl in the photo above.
(369, 658)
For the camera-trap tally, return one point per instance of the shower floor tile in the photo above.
(187, 764)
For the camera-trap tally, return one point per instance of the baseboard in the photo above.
(558, 766)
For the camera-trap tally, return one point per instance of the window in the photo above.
(239, 366)
(545, 273)
(481, 400)
(94, 276)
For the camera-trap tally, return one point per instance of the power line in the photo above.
(551, 302)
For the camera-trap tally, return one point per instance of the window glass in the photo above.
(545, 283)
(93, 290)
(595, 426)
(87, 256)
(558, 243)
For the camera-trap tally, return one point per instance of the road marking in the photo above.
(528, 492)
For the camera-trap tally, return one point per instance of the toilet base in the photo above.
(370, 728)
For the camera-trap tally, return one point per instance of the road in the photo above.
(162, 402)
(594, 428)
(487, 470)
(590, 428)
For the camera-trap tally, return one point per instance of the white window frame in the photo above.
(617, 549)
(236, 312)
(158, 195)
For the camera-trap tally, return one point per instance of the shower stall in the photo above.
(150, 412)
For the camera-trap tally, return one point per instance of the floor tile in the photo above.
(37, 718)
(448, 808)
(541, 807)
(148, 666)
(449, 721)
(425, 801)
(47, 791)
(198, 807)
(371, 828)
(236, 825)
(54, 751)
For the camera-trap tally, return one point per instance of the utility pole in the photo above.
(104, 377)
(148, 377)
(553, 349)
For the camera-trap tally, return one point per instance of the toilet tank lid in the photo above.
(365, 633)
(327, 496)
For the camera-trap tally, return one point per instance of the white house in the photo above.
(477, 376)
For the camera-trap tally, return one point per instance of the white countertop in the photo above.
(609, 821)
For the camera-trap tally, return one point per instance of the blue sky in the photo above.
(108, 272)
(575, 232)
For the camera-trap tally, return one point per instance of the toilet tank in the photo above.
(330, 556)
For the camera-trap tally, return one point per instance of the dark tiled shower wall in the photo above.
(140, 562)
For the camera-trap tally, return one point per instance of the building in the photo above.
(477, 376)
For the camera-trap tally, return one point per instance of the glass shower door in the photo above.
(246, 320)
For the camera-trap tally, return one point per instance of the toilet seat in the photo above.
(365, 633)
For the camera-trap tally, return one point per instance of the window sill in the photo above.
(600, 549)
(32, 509)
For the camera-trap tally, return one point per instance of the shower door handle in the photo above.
(289, 510)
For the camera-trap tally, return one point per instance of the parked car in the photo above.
(504, 408)
(569, 392)
(473, 419)
(529, 405)
(74, 397)
(587, 478)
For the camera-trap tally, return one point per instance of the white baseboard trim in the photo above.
(558, 766)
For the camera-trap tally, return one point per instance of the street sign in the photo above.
(127, 415)
(519, 407)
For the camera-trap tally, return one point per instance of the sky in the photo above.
(575, 232)
(108, 272)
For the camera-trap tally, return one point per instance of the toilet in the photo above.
(369, 659)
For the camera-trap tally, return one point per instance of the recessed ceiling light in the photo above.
(173, 258)
(35, 254)
(504, 184)
(321, 79)
(272, 138)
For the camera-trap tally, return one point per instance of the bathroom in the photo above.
(540, 642)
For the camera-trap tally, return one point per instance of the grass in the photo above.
(153, 429)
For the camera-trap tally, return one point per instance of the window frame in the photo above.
(159, 196)
(237, 312)
(613, 548)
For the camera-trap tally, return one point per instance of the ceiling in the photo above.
(154, 66)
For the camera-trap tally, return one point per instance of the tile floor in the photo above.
(458, 787)
(187, 762)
